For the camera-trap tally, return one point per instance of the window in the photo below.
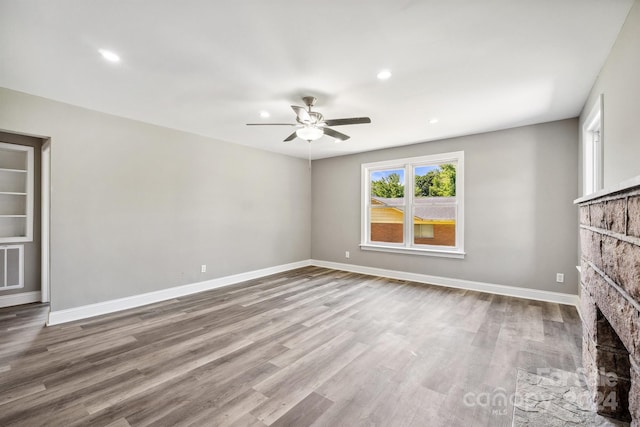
(414, 205)
(592, 149)
(423, 231)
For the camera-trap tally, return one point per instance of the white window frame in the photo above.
(408, 247)
(592, 149)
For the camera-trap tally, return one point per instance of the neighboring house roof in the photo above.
(434, 208)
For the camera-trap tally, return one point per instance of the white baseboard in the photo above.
(578, 309)
(19, 299)
(512, 291)
(111, 306)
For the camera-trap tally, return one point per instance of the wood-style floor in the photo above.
(307, 347)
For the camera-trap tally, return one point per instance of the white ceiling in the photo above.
(209, 67)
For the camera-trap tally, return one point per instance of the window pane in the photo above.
(387, 223)
(434, 210)
(435, 180)
(388, 184)
(387, 206)
(435, 223)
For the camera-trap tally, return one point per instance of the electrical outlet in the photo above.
(560, 277)
(203, 269)
(346, 254)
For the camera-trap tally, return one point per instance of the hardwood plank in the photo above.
(230, 412)
(248, 420)
(305, 412)
(120, 422)
(104, 401)
(299, 384)
(20, 392)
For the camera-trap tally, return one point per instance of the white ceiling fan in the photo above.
(312, 125)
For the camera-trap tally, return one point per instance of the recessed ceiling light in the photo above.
(337, 140)
(109, 56)
(384, 74)
(434, 121)
(264, 114)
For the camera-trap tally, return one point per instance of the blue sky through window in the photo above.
(423, 170)
(375, 176)
(419, 171)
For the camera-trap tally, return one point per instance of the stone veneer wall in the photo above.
(610, 299)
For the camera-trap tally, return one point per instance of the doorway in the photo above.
(25, 215)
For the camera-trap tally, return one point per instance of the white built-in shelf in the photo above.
(16, 193)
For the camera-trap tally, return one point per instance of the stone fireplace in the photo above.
(610, 299)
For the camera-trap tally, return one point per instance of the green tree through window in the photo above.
(388, 187)
(440, 182)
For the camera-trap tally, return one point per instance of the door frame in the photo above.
(45, 220)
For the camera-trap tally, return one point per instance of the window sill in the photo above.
(414, 251)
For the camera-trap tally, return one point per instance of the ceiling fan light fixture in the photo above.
(309, 133)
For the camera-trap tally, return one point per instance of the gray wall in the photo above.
(521, 225)
(32, 249)
(619, 81)
(137, 208)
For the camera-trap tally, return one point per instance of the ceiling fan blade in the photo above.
(336, 134)
(291, 137)
(303, 115)
(351, 121)
(271, 124)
